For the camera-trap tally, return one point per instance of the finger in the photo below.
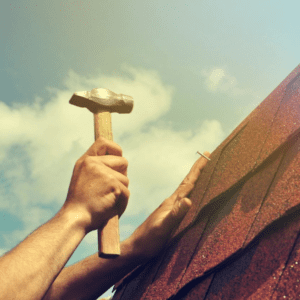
(120, 177)
(104, 146)
(117, 163)
(122, 200)
(180, 209)
(188, 182)
(197, 167)
(184, 205)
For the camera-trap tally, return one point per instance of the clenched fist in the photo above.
(99, 185)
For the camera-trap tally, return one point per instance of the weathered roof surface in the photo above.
(240, 240)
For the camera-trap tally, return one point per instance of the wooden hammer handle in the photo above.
(108, 238)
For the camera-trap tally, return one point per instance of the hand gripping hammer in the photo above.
(102, 102)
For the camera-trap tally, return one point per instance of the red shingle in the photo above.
(289, 283)
(239, 156)
(284, 193)
(194, 290)
(231, 222)
(201, 185)
(199, 190)
(256, 273)
(287, 119)
(136, 284)
(175, 262)
(253, 137)
(250, 186)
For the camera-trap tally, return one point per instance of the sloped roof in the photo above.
(240, 239)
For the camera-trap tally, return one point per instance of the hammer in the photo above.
(102, 102)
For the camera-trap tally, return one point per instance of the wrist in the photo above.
(74, 218)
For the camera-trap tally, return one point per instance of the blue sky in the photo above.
(196, 69)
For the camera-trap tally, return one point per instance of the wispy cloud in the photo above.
(161, 157)
(40, 143)
(219, 80)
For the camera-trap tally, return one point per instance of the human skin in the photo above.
(34, 269)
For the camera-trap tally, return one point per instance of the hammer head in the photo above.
(99, 100)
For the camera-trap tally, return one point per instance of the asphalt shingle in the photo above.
(239, 239)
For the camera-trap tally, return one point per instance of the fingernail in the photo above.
(183, 205)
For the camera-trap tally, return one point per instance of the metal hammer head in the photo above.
(98, 100)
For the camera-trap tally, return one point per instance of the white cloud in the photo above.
(242, 99)
(218, 80)
(215, 77)
(54, 135)
(152, 98)
(160, 158)
(32, 217)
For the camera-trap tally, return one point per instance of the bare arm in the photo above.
(91, 277)
(98, 191)
(29, 269)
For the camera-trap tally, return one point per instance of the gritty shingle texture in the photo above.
(240, 240)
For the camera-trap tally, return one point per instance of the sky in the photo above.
(195, 69)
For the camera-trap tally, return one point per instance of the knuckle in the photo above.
(118, 148)
(116, 190)
(110, 180)
(186, 181)
(124, 163)
(187, 186)
(121, 151)
(79, 162)
(127, 195)
(103, 144)
(100, 140)
(87, 161)
(91, 165)
(126, 181)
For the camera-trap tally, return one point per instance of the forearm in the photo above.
(91, 277)
(29, 269)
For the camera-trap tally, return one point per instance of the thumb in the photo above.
(180, 209)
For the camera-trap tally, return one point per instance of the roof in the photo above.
(240, 239)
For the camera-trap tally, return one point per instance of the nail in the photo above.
(203, 155)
